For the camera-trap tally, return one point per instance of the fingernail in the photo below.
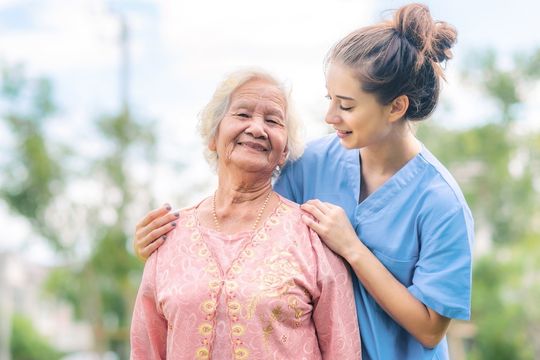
(177, 214)
(167, 206)
(173, 224)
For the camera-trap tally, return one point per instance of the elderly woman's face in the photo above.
(253, 134)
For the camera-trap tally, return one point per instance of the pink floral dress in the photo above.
(278, 293)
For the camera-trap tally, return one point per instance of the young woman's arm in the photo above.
(334, 228)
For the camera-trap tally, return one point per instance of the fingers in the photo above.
(312, 224)
(148, 250)
(154, 226)
(154, 214)
(145, 245)
(316, 208)
(157, 223)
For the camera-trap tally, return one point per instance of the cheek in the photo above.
(280, 142)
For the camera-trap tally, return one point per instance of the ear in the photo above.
(284, 156)
(212, 144)
(398, 108)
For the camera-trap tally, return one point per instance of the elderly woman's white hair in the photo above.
(210, 117)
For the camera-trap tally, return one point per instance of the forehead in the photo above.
(259, 91)
(342, 80)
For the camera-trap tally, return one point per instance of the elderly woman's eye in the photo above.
(272, 121)
(244, 115)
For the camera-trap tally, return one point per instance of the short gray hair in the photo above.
(211, 115)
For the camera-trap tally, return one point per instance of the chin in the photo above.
(252, 167)
(348, 144)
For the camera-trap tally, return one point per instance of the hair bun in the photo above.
(432, 39)
(444, 37)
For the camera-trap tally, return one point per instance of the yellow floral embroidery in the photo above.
(195, 236)
(277, 278)
(203, 252)
(212, 268)
(241, 353)
(268, 329)
(214, 284)
(236, 268)
(277, 313)
(205, 329)
(234, 307)
(262, 236)
(208, 307)
(278, 281)
(274, 220)
(293, 304)
(190, 222)
(231, 285)
(202, 353)
(237, 330)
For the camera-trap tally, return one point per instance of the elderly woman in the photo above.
(241, 276)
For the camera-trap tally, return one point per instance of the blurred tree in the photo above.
(42, 180)
(28, 344)
(498, 167)
(33, 176)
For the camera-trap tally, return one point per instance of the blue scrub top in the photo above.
(417, 224)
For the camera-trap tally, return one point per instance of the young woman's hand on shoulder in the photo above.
(332, 225)
(151, 231)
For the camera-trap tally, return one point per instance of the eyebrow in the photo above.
(344, 97)
(272, 110)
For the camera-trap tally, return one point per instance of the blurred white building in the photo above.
(21, 291)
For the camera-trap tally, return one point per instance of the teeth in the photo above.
(253, 146)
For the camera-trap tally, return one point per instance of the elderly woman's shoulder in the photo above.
(294, 214)
(186, 214)
(289, 205)
(292, 210)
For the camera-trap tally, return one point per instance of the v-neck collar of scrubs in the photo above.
(390, 189)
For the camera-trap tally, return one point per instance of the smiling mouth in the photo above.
(343, 132)
(253, 145)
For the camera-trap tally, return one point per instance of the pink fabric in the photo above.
(280, 294)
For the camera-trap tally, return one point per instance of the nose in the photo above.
(256, 128)
(331, 115)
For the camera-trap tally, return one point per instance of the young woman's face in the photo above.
(358, 118)
(253, 134)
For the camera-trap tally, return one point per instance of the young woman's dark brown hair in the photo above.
(402, 56)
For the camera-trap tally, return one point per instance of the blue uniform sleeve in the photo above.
(287, 184)
(442, 277)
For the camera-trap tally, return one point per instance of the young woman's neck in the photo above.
(389, 155)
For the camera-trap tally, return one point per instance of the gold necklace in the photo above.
(259, 214)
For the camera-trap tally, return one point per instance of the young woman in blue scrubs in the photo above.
(377, 196)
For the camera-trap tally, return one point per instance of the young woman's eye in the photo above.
(345, 108)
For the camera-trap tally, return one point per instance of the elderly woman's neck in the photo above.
(238, 190)
(240, 194)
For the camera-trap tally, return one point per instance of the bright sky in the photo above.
(179, 50)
